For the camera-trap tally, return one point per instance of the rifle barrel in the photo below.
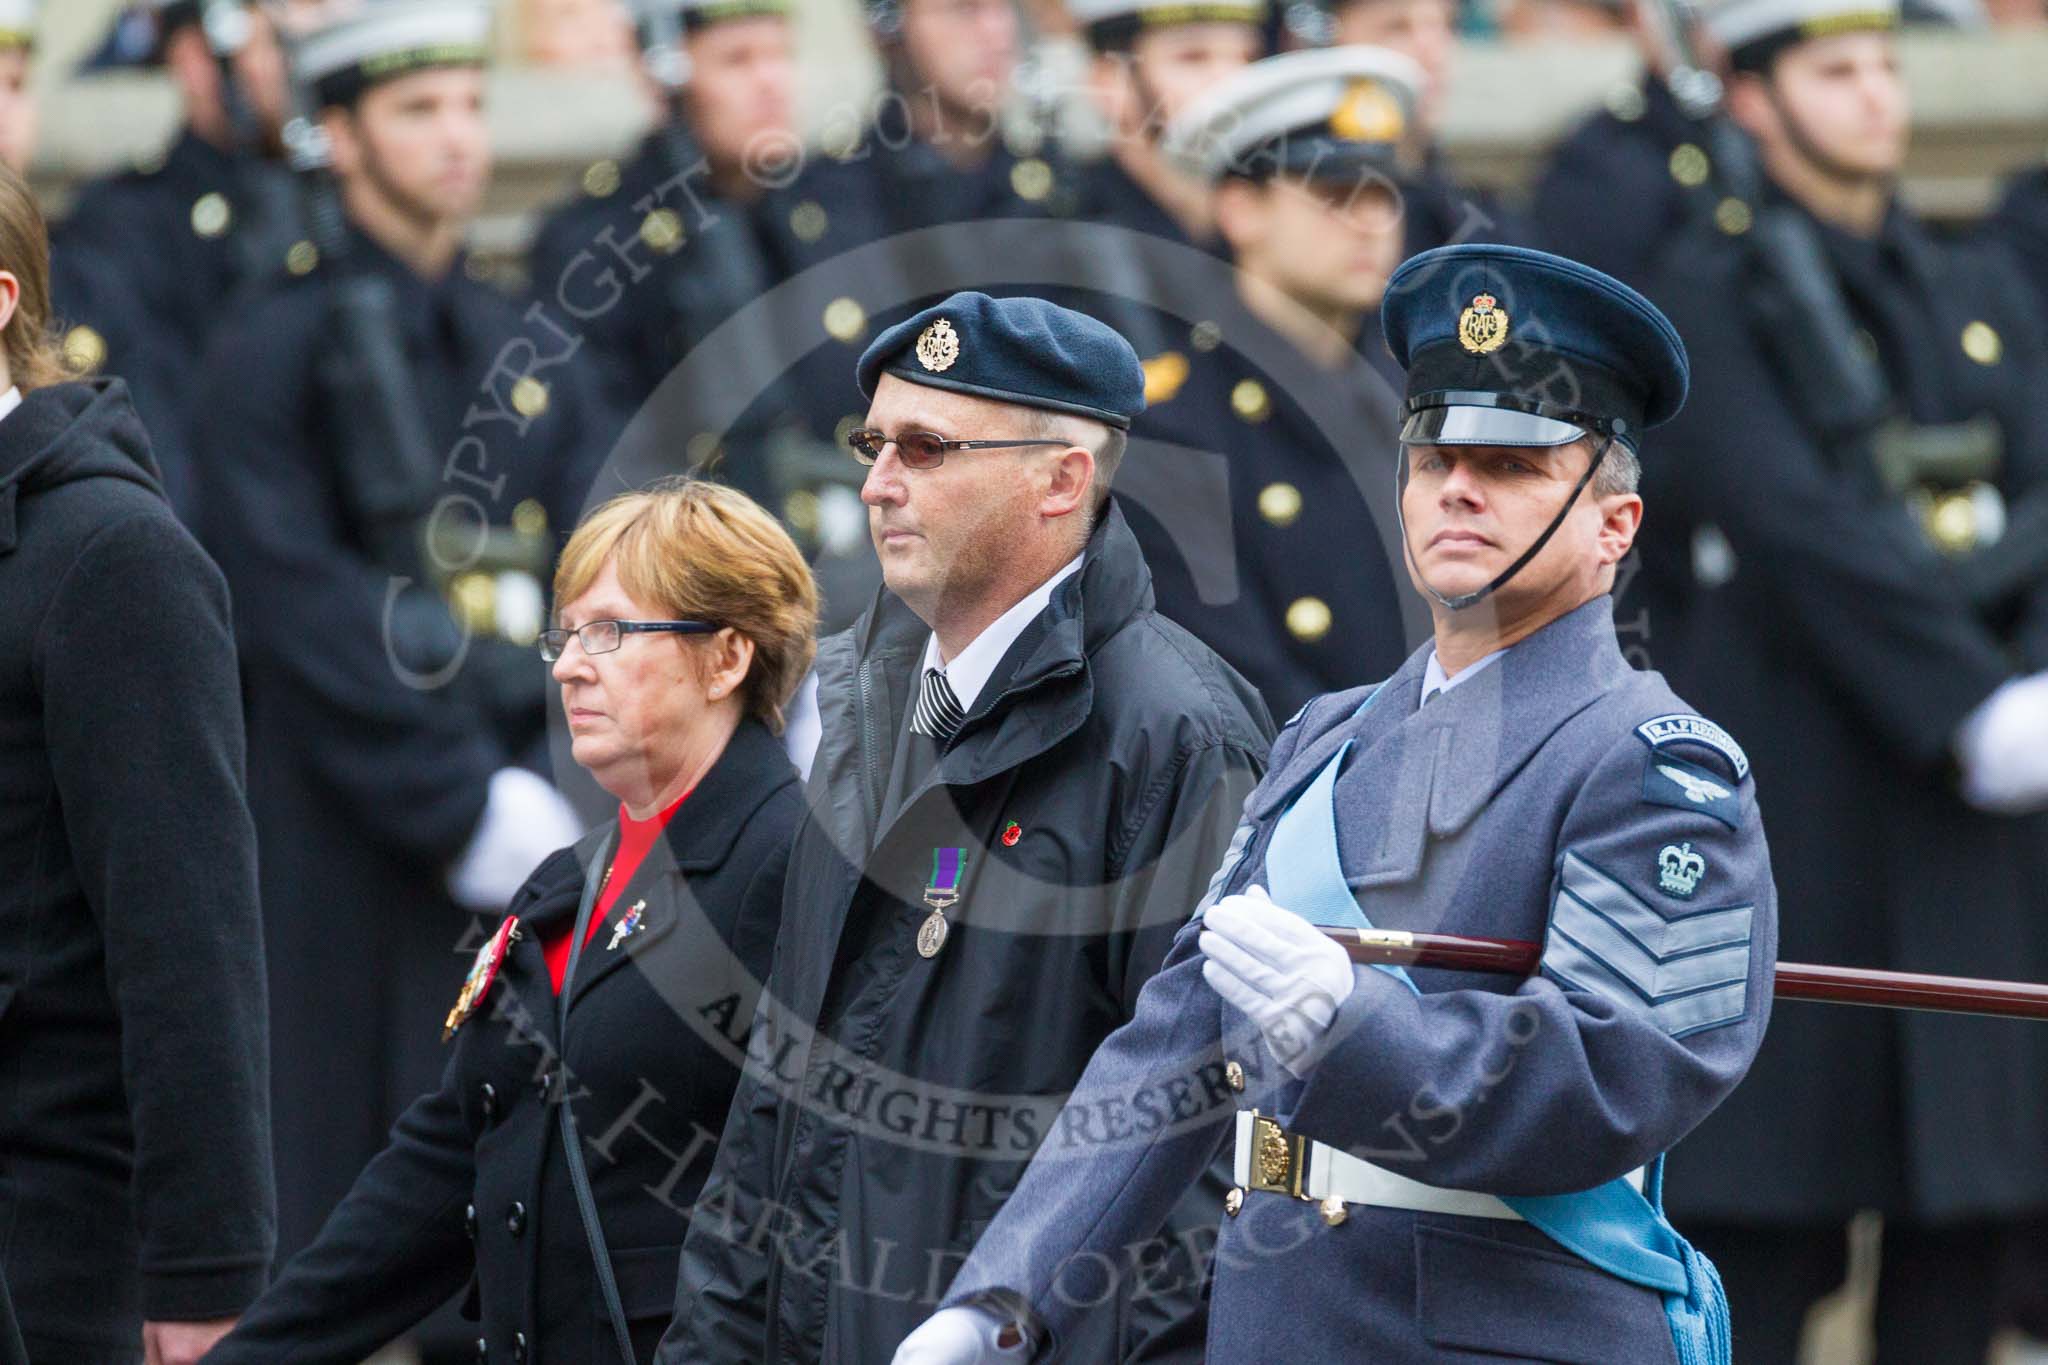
(1795, 980)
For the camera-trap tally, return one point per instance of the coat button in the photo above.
(1334, 1212)
(469, 1221)
(544, 1085)
(1308, 619)
(487, 1100)
(519, 1348)
(515, 1218)
(1232, 1202)
(1234, 1073)
(483, 1351)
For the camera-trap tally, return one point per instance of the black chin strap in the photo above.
(1473, 598)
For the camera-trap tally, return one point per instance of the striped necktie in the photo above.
(938, 712)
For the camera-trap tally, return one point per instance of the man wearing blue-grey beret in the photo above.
(1025, 779)
(1440, 1164)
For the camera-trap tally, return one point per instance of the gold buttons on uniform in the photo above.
(1205, 336)
(1233, 1072)
(1689, 165)
(529, 397)
(212, 215)
(845, 320)
(1233, 1201)
(1280, 503)
(1626, 103)
(808, 221)
(1982, 343)
(662, 230)
(85, 350)
(1333, 1211)
(1164, 374)
(302, 257)
(1308, 619)
(1733, 216)
(601, 179)
(1031, 178)
(1250, 401)
(529, 518)
(800, 510)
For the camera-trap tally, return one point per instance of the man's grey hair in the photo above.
(1620, 472)
(1105, 442)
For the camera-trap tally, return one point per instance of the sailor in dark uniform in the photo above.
(1629, 178)
(1440, 209)
(1259, 480)
(1839, 597)
(181, 236)
(387, 614)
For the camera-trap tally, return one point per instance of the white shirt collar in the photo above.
(969, 672)
(9, 401)
(1433, 679)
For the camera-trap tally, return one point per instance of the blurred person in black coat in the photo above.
(134, 1175)
(1631, 177)
(1809, 591)
(2020, 224)
(682, 897)
(397, 715)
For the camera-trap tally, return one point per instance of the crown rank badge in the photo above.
(1679, 870)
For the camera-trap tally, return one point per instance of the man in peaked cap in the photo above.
(1831, 589)
(1299, 152)
(1024, 778)
(397, 718)
(1436, 1162)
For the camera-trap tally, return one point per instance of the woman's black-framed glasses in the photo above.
(923, 449)
(602, 637)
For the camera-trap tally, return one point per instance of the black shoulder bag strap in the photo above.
(572, 1143)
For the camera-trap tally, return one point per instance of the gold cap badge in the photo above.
(1484, 326)
(1368, 113)
(938, 346)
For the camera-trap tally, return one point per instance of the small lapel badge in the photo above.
(1012, 832)
(482, 973)
(1484, 326)
(627, 927)
(1679, 870)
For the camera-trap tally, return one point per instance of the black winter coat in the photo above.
(134, 1146)
(474, 1176)
(894, 1099)
(1790, 597)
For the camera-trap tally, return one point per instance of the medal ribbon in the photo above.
(944, 887)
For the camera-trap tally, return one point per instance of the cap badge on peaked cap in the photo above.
(1483, 328)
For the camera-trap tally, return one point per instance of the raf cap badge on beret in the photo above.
(938, 346)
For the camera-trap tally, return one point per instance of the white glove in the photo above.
(1287, 975)
(2003, 749)
(959, 1336)
(524, 821)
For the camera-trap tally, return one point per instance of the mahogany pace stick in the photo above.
(1795, 980)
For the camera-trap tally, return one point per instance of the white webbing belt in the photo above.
(1332, 1173)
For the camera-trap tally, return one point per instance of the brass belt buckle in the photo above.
(1276, 1158)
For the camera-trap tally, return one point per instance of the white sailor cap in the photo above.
(1322, 113)
(352, 47)
(1112, 25)
(696, 14)
(1754, 31)
(18, 23)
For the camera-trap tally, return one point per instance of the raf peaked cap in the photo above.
(1018, 350)
(1512, 347)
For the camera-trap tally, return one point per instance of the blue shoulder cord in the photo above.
(1615, 1227)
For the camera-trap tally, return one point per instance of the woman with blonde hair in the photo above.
(134, 1135)
(599, 1036)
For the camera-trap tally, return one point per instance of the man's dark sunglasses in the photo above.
(922, 449)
